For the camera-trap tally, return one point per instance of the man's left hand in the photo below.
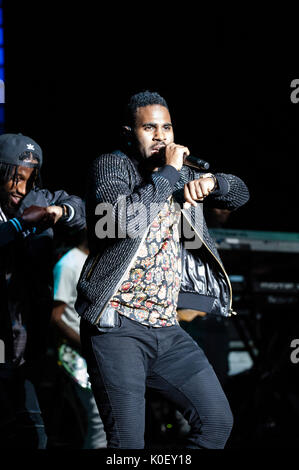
(197, 190)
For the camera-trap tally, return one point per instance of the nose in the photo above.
(21, 188)
(159, 134)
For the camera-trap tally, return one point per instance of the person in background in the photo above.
(65, 318)
(29, 214)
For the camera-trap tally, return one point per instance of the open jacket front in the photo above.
(115, 183)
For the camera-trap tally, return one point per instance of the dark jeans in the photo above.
(126, 359)
(21, 423)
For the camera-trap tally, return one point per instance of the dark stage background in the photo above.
(69, 73)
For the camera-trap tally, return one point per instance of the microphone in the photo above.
(191, 160)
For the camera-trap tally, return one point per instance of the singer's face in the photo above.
(153, 130)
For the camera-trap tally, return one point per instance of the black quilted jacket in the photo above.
(114, 175)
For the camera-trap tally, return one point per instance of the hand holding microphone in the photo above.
(198, 189)
(178, 155)
(175, 154)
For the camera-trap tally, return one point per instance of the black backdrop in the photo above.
(70, 71)
(226, 76)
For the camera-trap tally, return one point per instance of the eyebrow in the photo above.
(155, 124)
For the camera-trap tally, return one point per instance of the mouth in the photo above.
(15, 199)
(157, 149)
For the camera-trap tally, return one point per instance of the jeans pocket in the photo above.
(109, 320)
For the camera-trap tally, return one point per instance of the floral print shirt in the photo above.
(150, 291)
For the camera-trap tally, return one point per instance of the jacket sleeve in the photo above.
(231, 193)
(75, 205)
(111, 188)
(8, 232)
(14, 229)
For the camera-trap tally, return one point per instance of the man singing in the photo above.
(129, 286)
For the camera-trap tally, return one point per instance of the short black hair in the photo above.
(141, 99)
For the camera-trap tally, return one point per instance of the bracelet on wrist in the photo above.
(210, 175)
(65, 212)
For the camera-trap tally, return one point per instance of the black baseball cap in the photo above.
(15, 149)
